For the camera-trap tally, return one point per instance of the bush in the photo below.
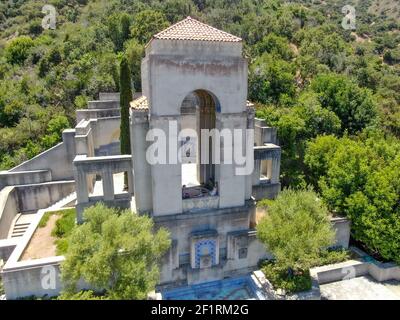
(17, 51)
(65, 224)
(116, 252)
(1, 287)
(82, 295)
(333, 256)
(281, 279)
(295, 229)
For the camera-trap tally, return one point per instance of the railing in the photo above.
(202, 203)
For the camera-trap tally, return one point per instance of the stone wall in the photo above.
(24, 178)
(41, 196)
(362, 266)
(7, 246)
(9, 209)
(38, 278)
(57, 160)
(238, 251)
(342, 227)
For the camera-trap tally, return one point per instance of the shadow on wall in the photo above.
(20, 199)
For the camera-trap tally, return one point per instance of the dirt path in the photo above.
(42, 244)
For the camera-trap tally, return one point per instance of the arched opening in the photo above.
(199, 170)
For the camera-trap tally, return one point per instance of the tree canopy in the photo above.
(296, 228)
(117, 254)
(360, 179)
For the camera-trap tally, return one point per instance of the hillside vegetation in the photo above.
(328, 90)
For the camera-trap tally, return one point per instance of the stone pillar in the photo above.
(250, 157)
(108, 185)
(276, 167)
(131, 187)
(166, 179)
(142, 185)
(232, 188)
(82, 193)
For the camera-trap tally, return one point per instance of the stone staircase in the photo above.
(21, 224)
(63, 202)
(23, 220)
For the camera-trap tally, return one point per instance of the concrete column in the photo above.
(256, 172)
(108, 185)
(167, 178)
(142, 184)
(82, 193)
(276, 169)
(232, 186)
(131, 182)
(250, 157)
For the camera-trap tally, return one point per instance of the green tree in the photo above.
(17, 51)
(116, 254)
(125, 100)
(134, 51)
(274, 44)
(355, 106)
(146, 24)
(295, 229)
(119, 29)
(176, 10)
(272, 80)
(359, 178)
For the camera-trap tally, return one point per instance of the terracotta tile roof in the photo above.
(140, 104)
(191, 29)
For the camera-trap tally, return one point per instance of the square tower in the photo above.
(192, 135)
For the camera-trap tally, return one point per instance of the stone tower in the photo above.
(194, 79)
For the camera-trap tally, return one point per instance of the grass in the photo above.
(45, 219)
(300, 280)
(1, 287)
(64, 226)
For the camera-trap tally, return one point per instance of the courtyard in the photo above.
(361, 288)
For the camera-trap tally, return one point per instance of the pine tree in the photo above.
(126, 98)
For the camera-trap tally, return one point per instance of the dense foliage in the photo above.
(309, 77)
(126, 98)
(361, 179)
(116, 253)
(300, 280)
(295, 229)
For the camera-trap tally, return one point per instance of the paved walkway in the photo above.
(361, 288)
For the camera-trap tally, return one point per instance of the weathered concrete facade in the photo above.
(201, 85)
(195, 82)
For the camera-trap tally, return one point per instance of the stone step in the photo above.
(16, 228)
(16, 236)
(18, 232)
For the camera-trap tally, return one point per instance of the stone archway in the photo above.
(199, 112)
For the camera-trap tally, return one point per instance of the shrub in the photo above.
(280, 279)
(116, 252)
(65, 224)
(17, 51)
(295, 229)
